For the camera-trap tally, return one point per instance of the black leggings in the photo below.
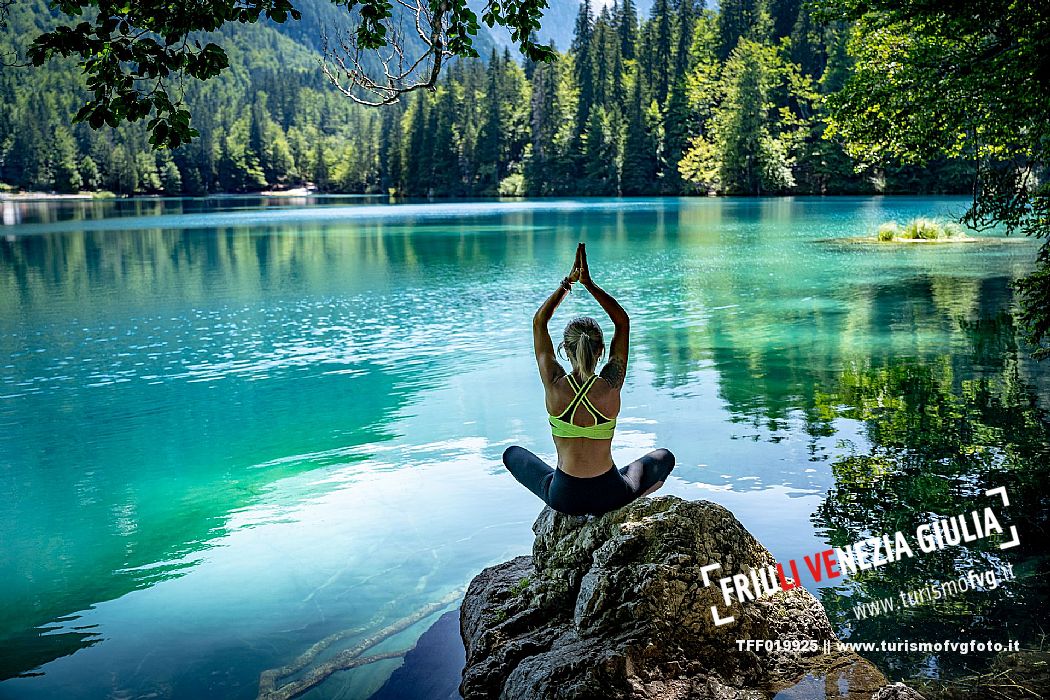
(576, 495)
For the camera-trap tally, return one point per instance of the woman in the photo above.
(582, 408)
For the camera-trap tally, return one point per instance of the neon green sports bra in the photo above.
(562, 426)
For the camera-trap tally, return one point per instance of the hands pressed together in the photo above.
(580, 271)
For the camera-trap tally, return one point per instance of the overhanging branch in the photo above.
(400, 69)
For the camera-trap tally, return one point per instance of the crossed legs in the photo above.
(641, 478)
(648, 474)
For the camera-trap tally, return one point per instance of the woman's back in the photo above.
(583, 456)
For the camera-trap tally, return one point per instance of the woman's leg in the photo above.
(530, 471)
(647, 474)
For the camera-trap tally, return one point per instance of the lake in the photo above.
(232, 428)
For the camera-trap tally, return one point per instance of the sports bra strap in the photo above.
(581, 397)
(599, 417)
(562, 426)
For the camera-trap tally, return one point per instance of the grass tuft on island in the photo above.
(921, 229)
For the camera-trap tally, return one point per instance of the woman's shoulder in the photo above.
(613, 373)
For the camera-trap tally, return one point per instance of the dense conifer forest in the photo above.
(682, 100)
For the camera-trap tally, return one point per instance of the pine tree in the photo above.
(839, 63)
(676, 113)
(239, 168)
(146, 172)
(490, 138)
(90, 176)
(543, 129)
(784, 15)
(603, 40)
(627, 28)
(257, 135)
(64, 166)
(415, 146)
(752, 160)
(564, 173)
(321, 172)
(806, 46)
(581, 52)
(638, 172)
(600, 154)
(124, 177)
(514, 110)
(736, 20)
(659, 77)
(389, 149)
(171, 178)
(445, 179)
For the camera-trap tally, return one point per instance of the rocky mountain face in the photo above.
(616, 607)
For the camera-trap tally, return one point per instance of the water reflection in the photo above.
(941, 432)
(43, 210)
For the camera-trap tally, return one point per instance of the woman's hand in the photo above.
(584, 274)
(574, 274)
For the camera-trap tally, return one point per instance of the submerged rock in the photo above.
(1013, 675)
(616, 607)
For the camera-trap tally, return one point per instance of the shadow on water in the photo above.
(941, 432)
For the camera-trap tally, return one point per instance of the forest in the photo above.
(685, 100)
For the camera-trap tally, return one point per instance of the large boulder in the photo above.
(616, 607)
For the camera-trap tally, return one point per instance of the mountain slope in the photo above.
(557, 24)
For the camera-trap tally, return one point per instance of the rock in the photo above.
(615, 607)
(896, 691)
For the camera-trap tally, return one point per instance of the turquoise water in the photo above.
(230, 428)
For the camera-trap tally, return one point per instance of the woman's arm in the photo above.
(546, 360)
(615, 369)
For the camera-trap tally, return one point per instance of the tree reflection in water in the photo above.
(939, 437)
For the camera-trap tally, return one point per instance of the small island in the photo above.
(922, 230)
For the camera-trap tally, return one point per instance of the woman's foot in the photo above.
(648, 474)
(653, 489)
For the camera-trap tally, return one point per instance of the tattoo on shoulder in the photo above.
(614, 372)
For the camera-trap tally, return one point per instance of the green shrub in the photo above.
(512, 186)
(920, 229)
(889, 230)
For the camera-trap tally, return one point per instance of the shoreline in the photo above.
(305, 192)
(103, 194)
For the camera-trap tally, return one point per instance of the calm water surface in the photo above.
(230, 428)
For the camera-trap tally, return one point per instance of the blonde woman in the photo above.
(582, 407)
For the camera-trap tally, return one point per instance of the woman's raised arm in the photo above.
(615, 369)
(546, 360)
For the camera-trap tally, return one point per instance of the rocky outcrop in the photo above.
(616, 607)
